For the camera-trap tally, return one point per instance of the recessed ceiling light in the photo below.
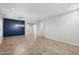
(57, 3)
(13, 9)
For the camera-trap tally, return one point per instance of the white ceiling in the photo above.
(33, 11)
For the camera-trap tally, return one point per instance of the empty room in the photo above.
(39, 29)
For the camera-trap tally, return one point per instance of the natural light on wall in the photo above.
(17, 26)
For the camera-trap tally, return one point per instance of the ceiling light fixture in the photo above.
(74, 7)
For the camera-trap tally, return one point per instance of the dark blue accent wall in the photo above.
(10, 28)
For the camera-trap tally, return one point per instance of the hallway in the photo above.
(27, 45)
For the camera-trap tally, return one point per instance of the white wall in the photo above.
(40, 28)
(64, 28)
(1, 28)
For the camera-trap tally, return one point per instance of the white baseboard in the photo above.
(63, 41)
